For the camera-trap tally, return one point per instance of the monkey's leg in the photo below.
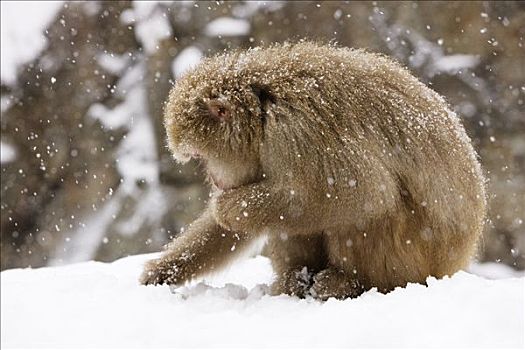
(336, 283)
(263, 206)
(205, 247)
(295, 259)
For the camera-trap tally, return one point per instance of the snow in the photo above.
(114, 64)
(492, 270)
(427, 54)
(136, 162)
(95, 304)
(117, 117)
(454, 63)
(22, 26)
(185, 60)
(5, 103)
(151, 23)
(249, 9)
(7, 153)
(227, 26)
(137, 154)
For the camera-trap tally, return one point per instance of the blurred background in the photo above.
(85, 172)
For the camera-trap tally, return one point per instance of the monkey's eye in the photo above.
(218, 110)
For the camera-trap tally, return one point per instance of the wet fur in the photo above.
(360, 175)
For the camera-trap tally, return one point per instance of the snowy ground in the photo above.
(101, 305)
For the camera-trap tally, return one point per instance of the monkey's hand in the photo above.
(203, 248)
(163, 271)
(256, 207)
(179, 263)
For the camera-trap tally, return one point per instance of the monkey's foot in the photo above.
(294, 282)
(160, 271)
(335, 283)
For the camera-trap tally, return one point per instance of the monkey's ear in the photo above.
(218, 110)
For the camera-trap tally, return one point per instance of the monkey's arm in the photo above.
(257, 207)
(203, 248)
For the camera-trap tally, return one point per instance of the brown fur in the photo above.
(359, 174)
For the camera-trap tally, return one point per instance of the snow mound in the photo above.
(95, 304)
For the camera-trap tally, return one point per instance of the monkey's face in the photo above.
(219, 121)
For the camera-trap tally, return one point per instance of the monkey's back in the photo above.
(402, 145)
(440, 205)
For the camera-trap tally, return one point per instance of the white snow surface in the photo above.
(23, 24)
(97, 304)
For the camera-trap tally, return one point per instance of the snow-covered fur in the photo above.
(359, 174)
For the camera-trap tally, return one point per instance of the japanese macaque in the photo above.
(359, 175)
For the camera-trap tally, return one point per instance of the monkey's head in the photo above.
(216, 113)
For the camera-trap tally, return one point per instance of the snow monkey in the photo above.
(359, 175)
